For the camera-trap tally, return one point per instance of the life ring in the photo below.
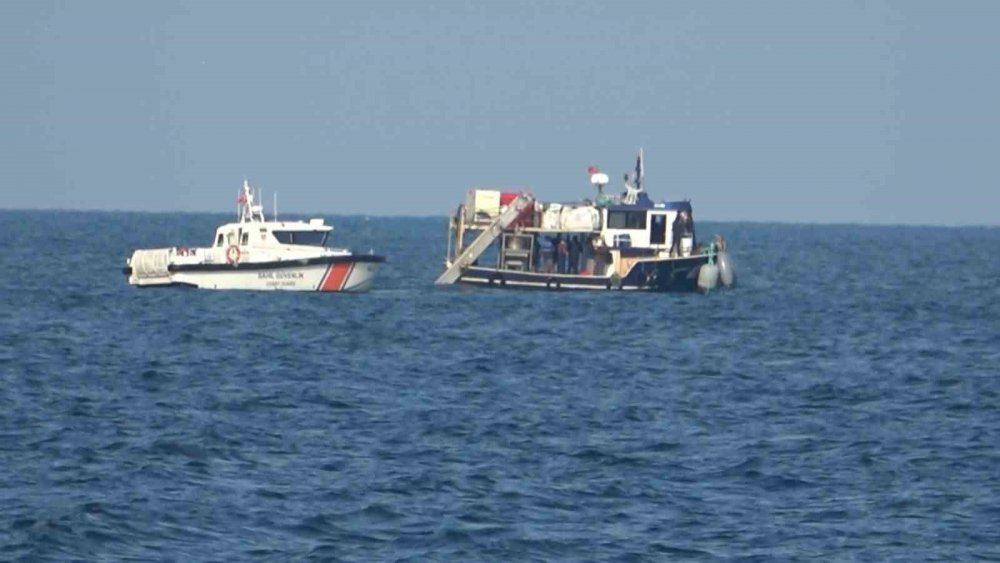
(233, 254)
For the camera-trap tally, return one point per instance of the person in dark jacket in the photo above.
(573, 255)
(676, 232)
(562, 254)
(536, 257)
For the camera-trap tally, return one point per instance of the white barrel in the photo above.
(686, 244)
(726, 273)
(708, 277)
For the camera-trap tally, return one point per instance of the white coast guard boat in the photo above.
(254, 253)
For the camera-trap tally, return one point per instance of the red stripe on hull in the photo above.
(343, 286)
(336, 276)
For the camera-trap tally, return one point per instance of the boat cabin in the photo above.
(254, 230)
(632, 226)
(273, 233)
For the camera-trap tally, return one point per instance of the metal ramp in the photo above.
(485, 239)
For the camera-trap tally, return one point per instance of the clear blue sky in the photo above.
(875, 112)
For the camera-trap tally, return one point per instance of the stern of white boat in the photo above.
(150, 267)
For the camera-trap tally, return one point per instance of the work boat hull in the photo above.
(346, 273)
(658, 275)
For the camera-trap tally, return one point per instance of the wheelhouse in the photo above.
(649, 228)
(273, 233)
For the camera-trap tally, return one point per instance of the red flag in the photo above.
(242, 198)
(592, 170)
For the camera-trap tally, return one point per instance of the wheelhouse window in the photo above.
(310, 238)
(246, 239)
(626, 219)
(220, 240)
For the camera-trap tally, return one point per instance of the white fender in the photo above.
(708, 277)
(727, 275)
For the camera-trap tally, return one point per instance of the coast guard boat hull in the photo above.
(325, 274)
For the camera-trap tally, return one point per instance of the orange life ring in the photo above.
(233, 254)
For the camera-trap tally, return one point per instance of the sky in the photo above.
(880, 112)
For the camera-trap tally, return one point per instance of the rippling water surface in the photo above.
(841, 403)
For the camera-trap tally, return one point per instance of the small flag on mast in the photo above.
(243, 195)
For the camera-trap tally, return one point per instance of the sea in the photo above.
(841, 403)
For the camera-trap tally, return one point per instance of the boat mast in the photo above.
(250, 212)
(640, 171)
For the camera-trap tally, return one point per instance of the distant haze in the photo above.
(872, 112)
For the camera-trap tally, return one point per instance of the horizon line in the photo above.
(445, 215)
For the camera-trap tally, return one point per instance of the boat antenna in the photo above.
(275, 195)
(640, 171)
(240, 200)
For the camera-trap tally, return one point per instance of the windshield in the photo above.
(310, 238)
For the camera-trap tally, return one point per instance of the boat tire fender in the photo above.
(552, 283)
(615, 282)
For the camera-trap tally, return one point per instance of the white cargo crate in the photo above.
(482, 205)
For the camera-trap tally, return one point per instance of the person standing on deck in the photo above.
(689, 226)
(586, 256)
(581, 254)
(536, 254)
(676, 232)
(571, 255)
(562, 253)
(551, 258)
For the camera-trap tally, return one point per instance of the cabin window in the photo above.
(246, 239)
(626, 219)
(220, 240)
(310, 238)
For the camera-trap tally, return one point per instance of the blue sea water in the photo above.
(841, 403)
